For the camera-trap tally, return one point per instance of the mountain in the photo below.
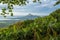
(4, 22)
(42, 28)
(27, 17)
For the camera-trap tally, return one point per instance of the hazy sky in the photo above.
(44, 8)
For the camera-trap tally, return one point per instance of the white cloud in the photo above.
(45, 1)
(49, 5)
(20, 13)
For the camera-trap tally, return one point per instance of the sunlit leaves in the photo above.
(42, 28)
(34, 29)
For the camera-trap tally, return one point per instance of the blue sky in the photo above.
(45, 8)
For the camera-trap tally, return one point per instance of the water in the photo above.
(7, 22)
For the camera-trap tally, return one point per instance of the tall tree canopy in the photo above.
(10, 4)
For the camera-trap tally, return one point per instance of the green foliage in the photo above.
(42, 28)
(56, 15)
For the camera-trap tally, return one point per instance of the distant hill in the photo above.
(27, 17)
(4, 22)
(41, 28)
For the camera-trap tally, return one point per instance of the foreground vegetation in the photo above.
(42, 28)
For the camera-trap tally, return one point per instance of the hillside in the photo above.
(41, 28)
(26, 17)
(5, 22)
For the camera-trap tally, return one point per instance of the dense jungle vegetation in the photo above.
(41, 28)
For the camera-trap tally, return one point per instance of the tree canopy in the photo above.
(41, 28)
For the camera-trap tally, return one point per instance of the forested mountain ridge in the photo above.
(41, 28)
